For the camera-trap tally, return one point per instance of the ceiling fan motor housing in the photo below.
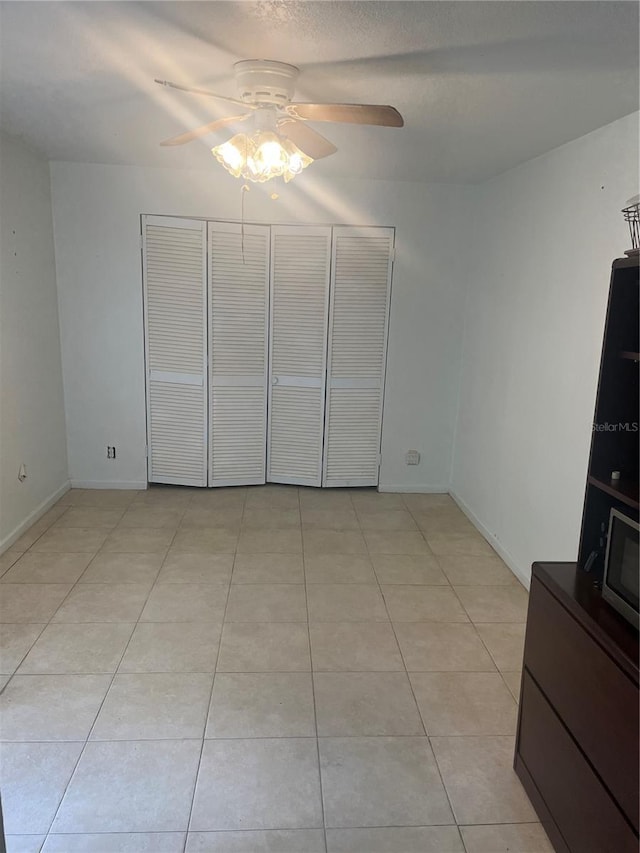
(263, 81)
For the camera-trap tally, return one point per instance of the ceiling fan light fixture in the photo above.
(229, 154)
(261, 156)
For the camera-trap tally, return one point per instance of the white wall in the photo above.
(32, 426)
(545, 235)
(96, 215)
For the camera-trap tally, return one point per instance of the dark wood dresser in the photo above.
(577, 742)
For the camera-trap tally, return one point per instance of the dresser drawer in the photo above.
(583, 811)
(596, 700)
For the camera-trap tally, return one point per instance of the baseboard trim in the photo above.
(523, 576)
(37, 513)
(414, 490)
(108, 484)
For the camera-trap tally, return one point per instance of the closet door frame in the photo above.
(293, 381)
(171, 376)
(234, 228)
(355, 482)
(324, 383)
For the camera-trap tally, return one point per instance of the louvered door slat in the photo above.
(300, 264)
(174, 275)
(360, 287)
(238, 330)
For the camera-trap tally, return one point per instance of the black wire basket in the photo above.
(632, 217)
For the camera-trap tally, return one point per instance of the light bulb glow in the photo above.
(271, 155)
(231, 157)
(261, 156)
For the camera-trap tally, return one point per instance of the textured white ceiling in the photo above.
(482, 86)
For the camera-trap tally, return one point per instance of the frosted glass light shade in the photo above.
(261, 156)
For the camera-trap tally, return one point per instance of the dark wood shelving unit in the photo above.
(614, 444)
(619, 489)
(577, 742)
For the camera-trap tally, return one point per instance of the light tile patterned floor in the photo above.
(265, 669)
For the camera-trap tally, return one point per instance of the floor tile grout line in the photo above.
(473, 531)
(87, 739)
(471, 622)
(44, 626)
(213, 682)
(165, 550)
(108, 528)
(11, 565)
(424, 536)
(477, 632)
(78, 581)
(252, 737)
(91, 561)
(313, 694)
(285, 829)
(395, 636)
(481, 638)
(273, 737)
(424, 727)
(48, 527)
(78, 527)
(306, 582)
(267, 671)
(436, 557)
(495, 663)
(72, 587)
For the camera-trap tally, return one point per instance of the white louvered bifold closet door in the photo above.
(174, 286)
(238, 353)
(300, 265)
(358, 322)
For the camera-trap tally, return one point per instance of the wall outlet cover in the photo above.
(412, 457)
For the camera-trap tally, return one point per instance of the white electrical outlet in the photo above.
(412, 457)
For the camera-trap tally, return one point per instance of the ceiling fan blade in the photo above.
(204, 130)
(195, 91)
(350, 113)
(308, 140)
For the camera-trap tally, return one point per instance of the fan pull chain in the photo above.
(243, 190)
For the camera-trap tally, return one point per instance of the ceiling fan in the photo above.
(278, 141)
